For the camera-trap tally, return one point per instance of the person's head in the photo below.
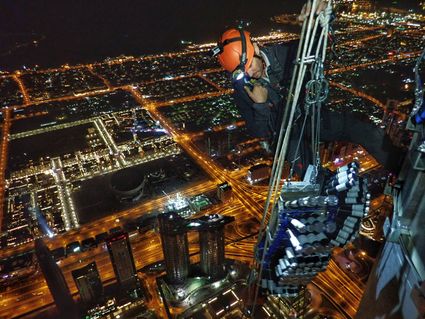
(237, 53)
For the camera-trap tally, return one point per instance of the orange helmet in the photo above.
(236, 50)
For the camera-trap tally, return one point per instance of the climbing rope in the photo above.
(317, 93)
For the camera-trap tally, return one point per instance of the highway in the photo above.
(344, 293)
(150, 251)
(32, 294)
(22, 87)
(246, 206)
(117, 219)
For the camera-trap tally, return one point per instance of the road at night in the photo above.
(246, 206)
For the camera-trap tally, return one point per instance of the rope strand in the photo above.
(307, 39)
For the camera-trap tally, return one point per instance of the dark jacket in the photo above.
(263, 119)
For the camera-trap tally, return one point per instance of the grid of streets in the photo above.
(62, 129)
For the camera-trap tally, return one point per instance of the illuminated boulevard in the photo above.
(246, 207)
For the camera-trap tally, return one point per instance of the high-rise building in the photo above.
(224, 192)
(388, 294)
(122, 260)
(174, 246)
(211, 240)
(89, 284)
(55, 281)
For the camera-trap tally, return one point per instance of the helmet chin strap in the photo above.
(239, 72)
(264, 67)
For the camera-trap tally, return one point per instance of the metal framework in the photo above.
(303, 221)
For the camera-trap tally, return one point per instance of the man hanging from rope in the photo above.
(261, 78)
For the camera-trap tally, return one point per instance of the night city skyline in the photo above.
(87, 32)
(132, 185)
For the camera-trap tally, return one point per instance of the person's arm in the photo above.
(323, 12)
(256, 115)
(305, 11)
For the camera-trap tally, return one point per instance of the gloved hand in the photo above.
(258, 94)
(305, 11)
(325, 16)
